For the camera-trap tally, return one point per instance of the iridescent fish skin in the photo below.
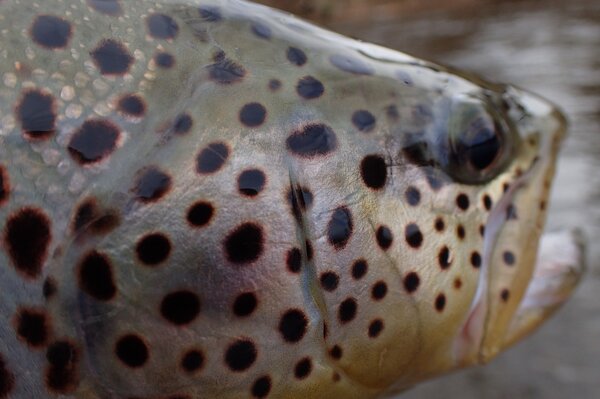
(213, 199)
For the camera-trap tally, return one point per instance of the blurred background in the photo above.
(550, 47)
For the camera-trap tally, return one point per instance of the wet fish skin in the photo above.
(215, 199)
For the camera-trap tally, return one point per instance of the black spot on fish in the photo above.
(161, 26)
(94, 141)
(339, 228)
(261, 387)
(27, 235)
(36, 112)
(240, 355)
(245, 304)
(132, 105)
(347, 310)
(411, 282)
(164, 60)
(253, 114)
(180, 307)
(62, 373)
(32, 326)
(212, 158)
(4, 185)
(303, 368)
(153, 249)
(412, 195)
(7, 379)
(251, 182)
(384, 237)
(183, 123)
(152, 184)
(413, 235)
(132, 351)
(200, 214)
(351, 64)
(373, 171)
(310, 88)
(192, 361)
(96, 276)
(112, 57)
(296, 56)
(363, 120)
(292, 325)
(51, 32)
(108, 7)
(313, 140)
(261, 30)
(245, 244)
(294, 260)
(225, 71)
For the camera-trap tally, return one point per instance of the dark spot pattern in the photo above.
(4, 185)
(296, 56)
(336, 352)
(245, 244)
(27, 235)
(112, 57)
(183, 123)
(303, 368)
(351, 64)
(108, 7)
(412, 195)
(312, 140)
(164, 60)
(359, 269)
(161, 26)
(329, 281)
(413, 235)
(180, 307)
(444, 258)
(240, 355)
(210, 14)
(379, 290)
(32, 326)
(212, 158)
(439, 225)
(95, 140)
(151, 185)
(476, 260)
(132, 105)
(261, 387)
(384, 237)
(487, 202)
(192, 361)
(49, 288)
(373, 171)
(460, 231)
(7, 380)
(363, 120)
(51, 32)
(153, 249)
(132, 351)
(440, 302)
(36, 112)
(292, 325)
(462, 201)
(300, 199)
(505, 295)
(310, 88)
(339, 228)
(245, 304)
(375, 328)
(253, 114)
(200, 214)
(62, 373)
(294, 260)
(509, 258)
(274, 84)
(347, 310)
(261, 30)
(411, 282)
(251, 182)
(96, 276)
(226, 71)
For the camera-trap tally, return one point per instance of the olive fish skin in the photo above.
(215, 199)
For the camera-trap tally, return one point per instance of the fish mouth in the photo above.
(538, 283)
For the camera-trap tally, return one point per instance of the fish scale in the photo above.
(215, 199)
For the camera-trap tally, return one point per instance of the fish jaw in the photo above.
(497, 317)
(559, 268)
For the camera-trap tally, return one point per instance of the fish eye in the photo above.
(478, 141)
